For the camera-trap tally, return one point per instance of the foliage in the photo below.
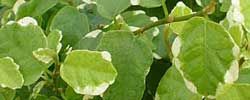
(124, 50)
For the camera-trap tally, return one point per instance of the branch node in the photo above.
(170, 19)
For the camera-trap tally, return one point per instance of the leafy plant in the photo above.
(124, 50)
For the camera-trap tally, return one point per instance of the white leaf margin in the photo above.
(230, 76)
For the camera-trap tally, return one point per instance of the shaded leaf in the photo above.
(138, 18)
(132, 58)
(71, 95)
(37, 88)
(111, 8)
(35, 8)
(7, 94)
(54, 40)
(96, 21)
(89, 41)
(150, 3)
(18, 42)
(146, 3)
(244, 75)
(72, 30)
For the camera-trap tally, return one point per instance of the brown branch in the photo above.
(207, 10)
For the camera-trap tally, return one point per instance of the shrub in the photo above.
(124, 50)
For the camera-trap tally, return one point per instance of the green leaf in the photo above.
(243, 7)
(149, 3)
(35, 8)
(206, 55)
(117, 24)
(7, 94)
(37, 88)
(88, 72)
(244, 75)
(8, 3)
(233, 92)
(45, 55)
(18, 41)
(237, 33)
(9, 74)
(233, 23)
(225, 5)
(42, 97)
(96, 21)
(23, 93)
(71, 23)
(54, 40)
(173, 87)
(160, 45)
(146, 3)
(138, 18)
(179, 10)
(89, 41)
(132, 58)
(71, 2)
(111, 8)
(17, 5)
(235, 29)
(71, 95)
(202, 3)
(239, 13)
(6, 16)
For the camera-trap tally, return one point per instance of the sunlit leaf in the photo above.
(180, 10)
(173, 87)
(88, 72)
(45, 55)
(206, 55)
(233, 92)
(10, 74)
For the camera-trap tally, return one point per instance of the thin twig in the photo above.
(207, 10)
(164, 6)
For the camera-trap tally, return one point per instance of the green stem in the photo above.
(55, 74)
(57, 66)
(164, 6)
(167, 20)
(171, 19)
